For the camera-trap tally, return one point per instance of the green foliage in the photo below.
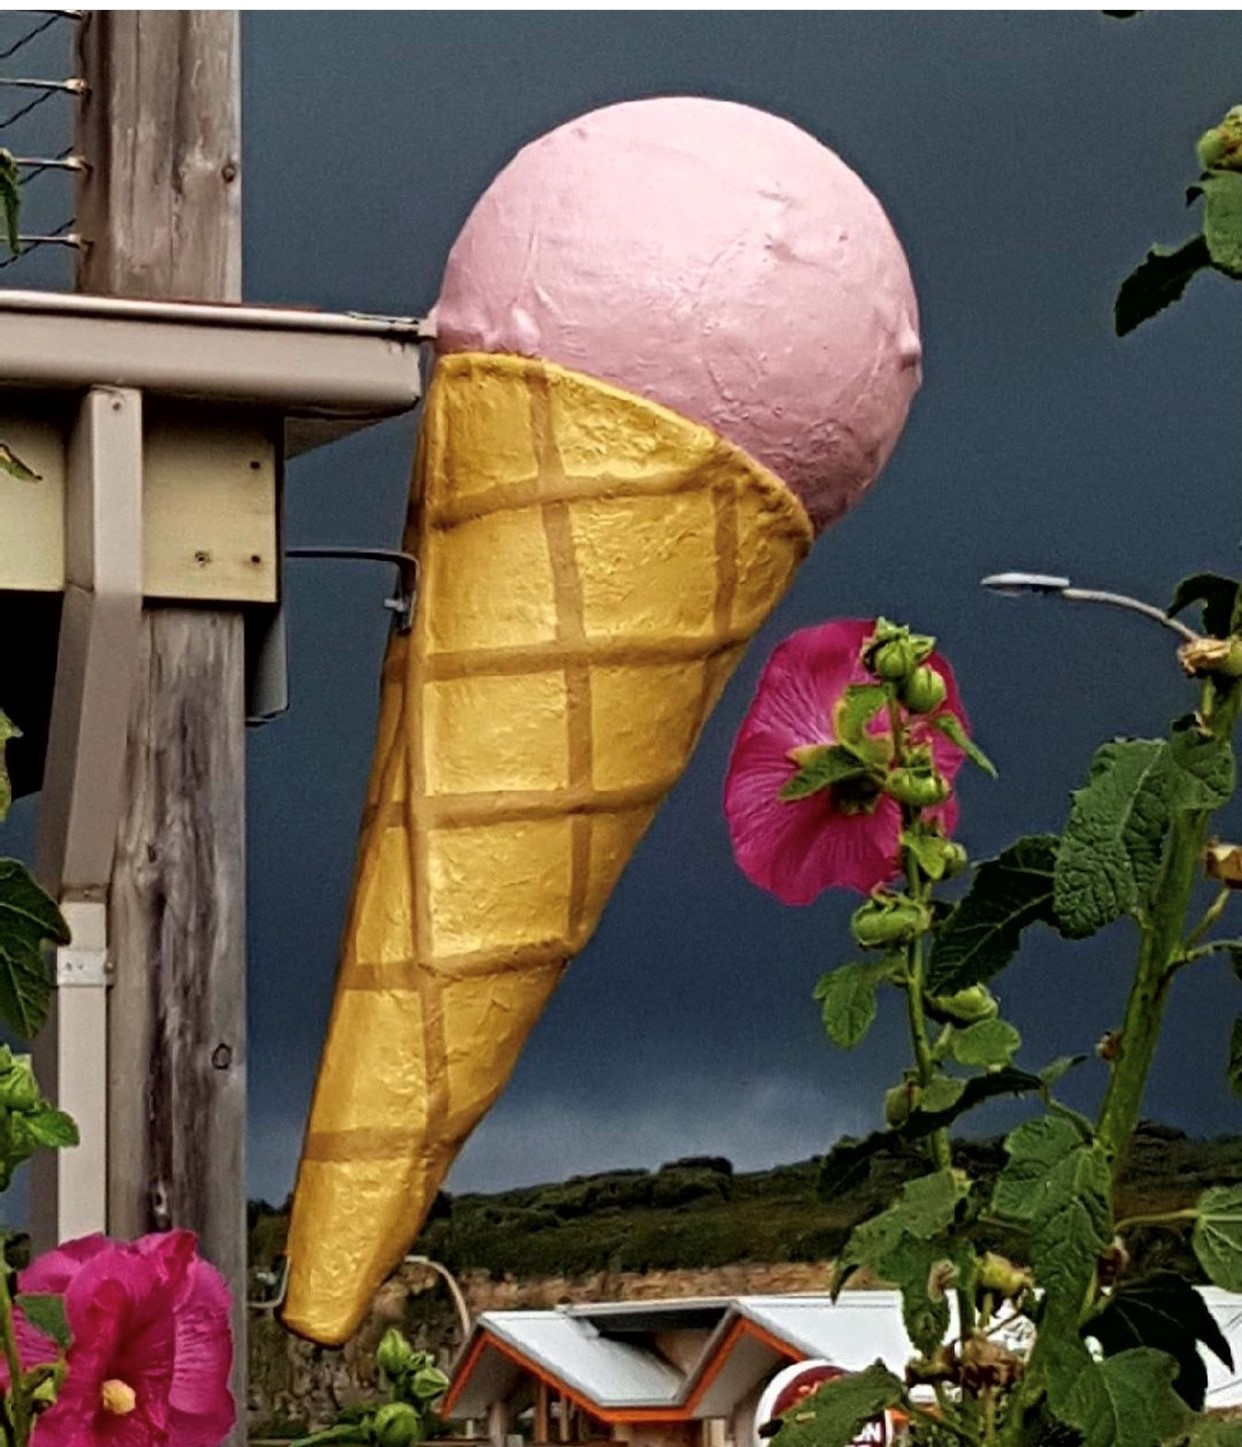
(27, 1122)
(982, 934)
(1058, 1184)
(1165, 1312)
(8, 730)
(415, 1383)
(1217, 1236)
(47, 1315)
(822, 768)
(1218, 600)
(1222, 219)
(29, 920)
(1124, 1401)
(834, 1415)
(847, 997)
(859, 705)
(1111, 846)
(925, 1208)
(1157, 282)
(951, 727)
(986, 1043)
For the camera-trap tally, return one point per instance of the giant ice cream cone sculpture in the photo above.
(677, 338)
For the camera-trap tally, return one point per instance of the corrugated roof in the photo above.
(569, 1347)
(1224, 1384)
(850, 1332)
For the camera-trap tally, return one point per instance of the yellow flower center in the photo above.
(118, 1397)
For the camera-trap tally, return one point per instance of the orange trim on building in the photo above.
(614, 1416)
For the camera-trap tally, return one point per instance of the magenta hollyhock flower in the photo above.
(149, 1362)
(797, 849)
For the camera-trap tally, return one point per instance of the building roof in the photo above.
(604, 1355)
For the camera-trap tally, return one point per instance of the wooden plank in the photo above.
(209, 510)
(160, 211)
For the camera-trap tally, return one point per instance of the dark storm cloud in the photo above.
(1027, 160)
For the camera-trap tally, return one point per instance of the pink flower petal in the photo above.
(202, 1411)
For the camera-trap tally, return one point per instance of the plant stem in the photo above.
(1161, 1218)
(17, 1419)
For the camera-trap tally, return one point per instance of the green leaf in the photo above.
(1158, 281)
(834, 1415)
(28, 920)
(1217, 596)
(942, 1092)
(46, 1314)
(1111, 846)
(1213, 1430)
(1124, 1401)
(7, 731)
(1217, 1235)
(988, 1043)
(1165, 1312)
(1222, 219)
(1059, 1184)
(847, 998)
(982, 934)
(52, 1128)
(951, 727)
(822, 768)
(858, 706)
(849, 1161)
(10, 200)
(925, 1309)
(1199, 770)
(925, 1207)
(15, 467)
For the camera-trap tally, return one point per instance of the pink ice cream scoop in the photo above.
(712, 258)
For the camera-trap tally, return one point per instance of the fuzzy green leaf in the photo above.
(982, 934)
(1059, 1184)
(52, 1128)
(1158, 281)
(46, 1314)
(826, 766)
(925, 1207)
(1124, 1401)
(834, 1415)
(1199, 770)
(858, 706)
(987, 1043)
(1217, 597)
(28, 921)
(909, 1267)
(849, 1161)
(1111, 846)
(847, 997)
(941, 1093)
(1165, 1312)
(951, 727)
(1217, 1235)
(1222, 219)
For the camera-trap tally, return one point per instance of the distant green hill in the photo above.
(698, 1212)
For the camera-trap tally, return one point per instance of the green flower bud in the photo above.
(394, 1355)
(917, 788)
(955, 859)
(893, 652)
(924, 690)
(1220, 149)
(966, 1007)
(889, 919)
(899, 1102)
(998, 1275)
(397, 1424)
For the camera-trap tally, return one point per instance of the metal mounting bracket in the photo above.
(401, 604)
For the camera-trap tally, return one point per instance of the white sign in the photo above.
(790, 1385)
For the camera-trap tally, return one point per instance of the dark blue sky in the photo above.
(1027, 160)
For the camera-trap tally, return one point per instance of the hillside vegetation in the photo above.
(698, 1212)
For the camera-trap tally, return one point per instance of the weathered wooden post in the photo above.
(160, 215)
(145, 556)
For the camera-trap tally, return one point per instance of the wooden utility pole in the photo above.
(160, 214)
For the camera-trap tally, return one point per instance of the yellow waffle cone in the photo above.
(591, 566)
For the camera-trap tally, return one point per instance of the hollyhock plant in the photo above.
(150, 1350)
(845, 832)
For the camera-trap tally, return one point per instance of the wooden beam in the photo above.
(160, 212)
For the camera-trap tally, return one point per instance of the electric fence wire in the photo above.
(65, 162)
